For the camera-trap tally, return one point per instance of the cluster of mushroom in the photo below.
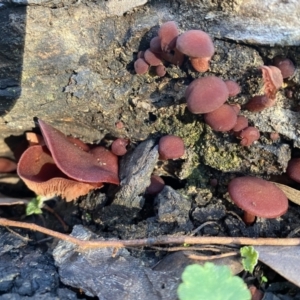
(59, 165)
(207, 95)
(273, 78)
(171, 47)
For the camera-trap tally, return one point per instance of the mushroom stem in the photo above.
(248, 218)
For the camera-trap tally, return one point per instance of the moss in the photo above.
(220, 152)
(177, 121)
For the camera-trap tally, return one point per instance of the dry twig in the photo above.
(162, 240)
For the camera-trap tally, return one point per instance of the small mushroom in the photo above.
(293, 169)
(168, 33)
(248, 136)
(156, 186)
(170, 147)
(206, 94)
(285, 65)
(233, 87)
(7, 165)
(141, 66)
(198, 45)
(259, 103)
(118, 147)
(222, 119)
(160, 70)
(153, 59)
(273, 80)
(257, 197)
(241, 123)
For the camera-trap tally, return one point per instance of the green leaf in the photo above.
(34, 206)
(211, 282)
(249, 258)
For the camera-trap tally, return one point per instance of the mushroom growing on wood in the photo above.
(168, 33)
(206, 94)
(222, 119)
(198, 45)
(257, 197)
(170, 147)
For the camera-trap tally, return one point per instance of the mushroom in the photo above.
(257, 197)
(7, 165)
(206, 94)
(140, 66)
(74, 162)
(156, 186)
(248, 136)
(152, 58)
(118, 147)
(168, 33)
(170, 147)
(241, 123)
(273, 80)
(198, 45)
(37, 169)
(233, 88)
(293, 169)
(222, 119)
(259, 103)
(160, 70)
(285, 65)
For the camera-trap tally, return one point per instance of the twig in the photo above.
(23, 238)
(147, 242)
(210, 257)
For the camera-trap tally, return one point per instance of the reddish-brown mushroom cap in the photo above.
(206, 94)
(258, 197)
(156, 185)
(241, 123)
(285, 65)
(273, 80)
(195, 43)
(233, 87)
(168, 33)
(118, 146)
(160, 70)
(248, 136)
(37, 169)
(72, 161)
(155, 45)
(259, 103)
(170, 147)
(222, 119)
(7, 165)
(141, 66)
(293, 169)
(153, 59)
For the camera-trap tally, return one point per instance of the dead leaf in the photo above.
(282, 259)
(292, 194)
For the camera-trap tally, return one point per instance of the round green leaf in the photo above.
(211, 282)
